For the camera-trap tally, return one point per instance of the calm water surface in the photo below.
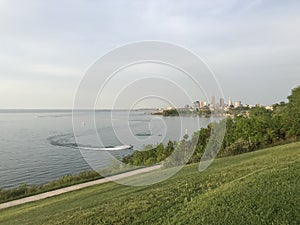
(37, 146)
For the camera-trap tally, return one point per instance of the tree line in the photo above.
(246, 131)
(25, 190)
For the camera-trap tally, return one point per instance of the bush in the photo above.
(25, 190)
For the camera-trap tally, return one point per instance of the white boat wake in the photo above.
(109, 148)
(65, 141)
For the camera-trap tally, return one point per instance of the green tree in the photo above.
(293, 113)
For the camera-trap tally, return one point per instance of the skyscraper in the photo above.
(222, 103)
(230, 101)
(213, 102)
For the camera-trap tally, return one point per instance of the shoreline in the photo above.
(60, 191)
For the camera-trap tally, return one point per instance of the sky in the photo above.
(46, 47)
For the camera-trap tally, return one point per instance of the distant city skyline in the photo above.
(252, 47)
(200, 103)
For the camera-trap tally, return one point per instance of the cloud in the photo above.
(56, 41)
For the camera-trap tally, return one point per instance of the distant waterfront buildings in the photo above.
(212, 104)
(197, 105)
(230, 102)
(202, 104)
(237, 104)
(215, 106)
(213, 101)
(222, 103)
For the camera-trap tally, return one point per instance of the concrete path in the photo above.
(76, 187)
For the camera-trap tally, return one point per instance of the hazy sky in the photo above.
(47, 46)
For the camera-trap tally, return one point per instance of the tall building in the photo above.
(222, 103)
(230, 102)
(202, 104)
(213, 102)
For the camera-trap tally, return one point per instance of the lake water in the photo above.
(37, 146)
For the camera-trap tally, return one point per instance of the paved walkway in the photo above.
(76, 187)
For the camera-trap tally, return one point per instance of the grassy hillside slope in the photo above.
(260, 187)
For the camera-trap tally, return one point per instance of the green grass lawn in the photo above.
(261, 187)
